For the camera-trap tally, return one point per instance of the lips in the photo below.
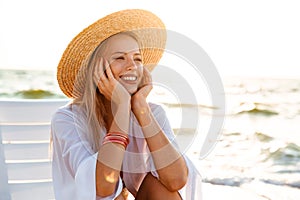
(129, 78)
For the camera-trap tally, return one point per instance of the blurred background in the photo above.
(255, 46)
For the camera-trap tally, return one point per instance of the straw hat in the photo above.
(148, 28)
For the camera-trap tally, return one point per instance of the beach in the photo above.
(257, 154)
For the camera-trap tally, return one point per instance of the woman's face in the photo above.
(123, 54)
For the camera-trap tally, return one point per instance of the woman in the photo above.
(109, 141)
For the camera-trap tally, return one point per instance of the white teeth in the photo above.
(129, 78)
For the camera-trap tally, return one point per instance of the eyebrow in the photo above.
(121, 52)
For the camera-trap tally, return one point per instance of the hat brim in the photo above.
(148, 28)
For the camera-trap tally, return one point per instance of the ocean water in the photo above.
(29, 84)
(258, 149)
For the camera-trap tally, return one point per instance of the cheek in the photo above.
(140, 71)
(141, 74)
(116, 70)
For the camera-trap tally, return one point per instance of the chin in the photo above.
(132, 91)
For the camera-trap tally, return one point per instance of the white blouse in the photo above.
(74, 163)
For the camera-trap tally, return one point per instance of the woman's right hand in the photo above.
(108, 85)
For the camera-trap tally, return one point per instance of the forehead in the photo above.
(121, 43)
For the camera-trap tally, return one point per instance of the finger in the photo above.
(147, 76)
(148, 79)
(144, 91)
(108, 71)
(103, 90)
(147, 72)
(101, 66)
(148, 89)
(103, 76)
(97, 71)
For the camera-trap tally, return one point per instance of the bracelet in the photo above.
(118, 134)
(115, 137)
(115, 141)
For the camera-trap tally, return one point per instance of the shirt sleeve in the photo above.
(85, 180)
(76, 158)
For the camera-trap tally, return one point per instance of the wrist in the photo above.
(141, 110)
(126, 103)
(123, 108)
(121, 115)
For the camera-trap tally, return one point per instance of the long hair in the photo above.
(91, 102)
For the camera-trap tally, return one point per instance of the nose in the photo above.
(130, 64)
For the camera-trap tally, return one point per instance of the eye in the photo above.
(138, 59)
(120, 58)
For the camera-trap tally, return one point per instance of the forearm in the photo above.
(120, 120)
(169, 163)
(110, 155)
(108, 168)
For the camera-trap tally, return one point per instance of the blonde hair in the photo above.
(91, 102)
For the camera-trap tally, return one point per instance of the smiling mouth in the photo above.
(129, 78)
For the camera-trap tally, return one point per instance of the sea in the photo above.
(258, 148)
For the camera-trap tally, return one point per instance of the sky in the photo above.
(242, 37)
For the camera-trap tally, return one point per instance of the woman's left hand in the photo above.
(138, 99)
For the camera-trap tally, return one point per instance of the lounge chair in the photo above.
(25, 165)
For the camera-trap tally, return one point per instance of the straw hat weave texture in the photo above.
(148, 28)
